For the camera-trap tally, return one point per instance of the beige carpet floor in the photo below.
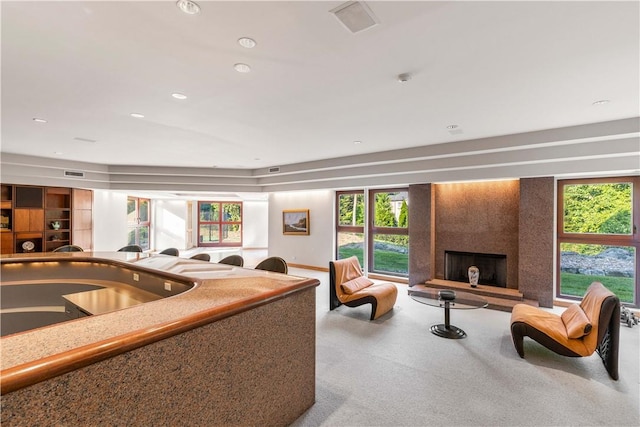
(394, 372)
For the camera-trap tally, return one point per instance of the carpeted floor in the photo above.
(394, 372)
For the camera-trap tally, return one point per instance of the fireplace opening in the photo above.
(493, 267)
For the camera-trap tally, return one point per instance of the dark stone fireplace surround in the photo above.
(493, 267)
(512, 218)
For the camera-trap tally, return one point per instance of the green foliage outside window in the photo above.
(214, 223)
(231, 212)
(390, 210)
(209, 211)
(597, 222)
(403, 218)
(597, 208)
(143, 210)
(131, 206)
(351, 209)
(384, 216)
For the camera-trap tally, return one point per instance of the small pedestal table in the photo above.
(448, 299)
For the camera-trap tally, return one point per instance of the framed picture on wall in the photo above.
(295, 222)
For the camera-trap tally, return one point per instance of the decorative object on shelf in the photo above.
(295, 221)
(55, 225)
(4, 221)
(474, 275)
(28, 246)
(55, 237)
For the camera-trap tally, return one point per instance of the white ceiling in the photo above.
(492, 68)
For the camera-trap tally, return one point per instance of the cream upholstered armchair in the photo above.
(350, 287)
(582, 329)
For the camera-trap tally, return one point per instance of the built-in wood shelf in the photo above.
(48, 217)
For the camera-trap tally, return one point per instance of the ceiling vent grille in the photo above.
(275, 169)
(74, 174)
(355, 16)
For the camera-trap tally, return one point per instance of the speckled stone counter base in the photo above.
(253, 368)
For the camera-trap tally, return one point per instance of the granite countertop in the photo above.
(220, 291)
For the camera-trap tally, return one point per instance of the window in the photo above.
(386, 235)
(219, 224)
(350, 225)
(138, 222)
(597, 236)
(389, 232)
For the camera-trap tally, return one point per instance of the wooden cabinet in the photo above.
(6, 243)
(28, 220)
(44, 218)
(83, 218)
(6, 219)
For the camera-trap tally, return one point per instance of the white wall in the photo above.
(255, 222)
(169, 224)
(316, 249)
(109, 220)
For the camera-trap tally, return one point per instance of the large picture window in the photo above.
(219, 224)
(598, 236)
(380, 226)
(138, 222)
(350, 213)
(389, 232)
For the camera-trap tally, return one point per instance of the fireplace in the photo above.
(493, 267)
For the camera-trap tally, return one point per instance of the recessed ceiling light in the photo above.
(357, 142)
(404, 77)
(36, 119)
(179, 96)
(137, 115)
(58, 153)
(242, 68)
(452, 126)
(601, 102)
(247, 42)
(189, 7)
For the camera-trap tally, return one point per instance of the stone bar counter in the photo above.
(235, 347)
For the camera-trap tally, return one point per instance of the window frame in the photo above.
(220, 223)
(373, 229)
(368, 229)
(349, 228)
(631, 240)
(138, 224)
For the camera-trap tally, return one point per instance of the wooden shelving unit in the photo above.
(6, 219)
(44, 218)
(28, 218)
(57, 217)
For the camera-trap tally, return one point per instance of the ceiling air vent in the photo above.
(274, 169)
(355, 16)
(74, 174)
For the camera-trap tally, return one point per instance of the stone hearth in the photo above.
(502, 299)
